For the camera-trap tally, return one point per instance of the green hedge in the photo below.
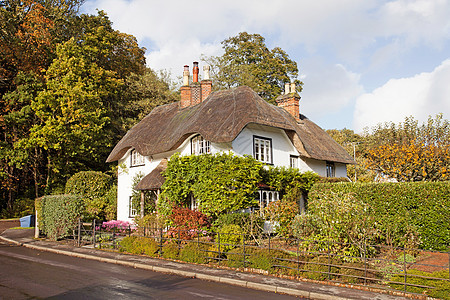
(58, 214)
(402, 209)
(98, 193)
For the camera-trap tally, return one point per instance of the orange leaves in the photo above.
(411, 161)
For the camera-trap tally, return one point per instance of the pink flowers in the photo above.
(118, 226)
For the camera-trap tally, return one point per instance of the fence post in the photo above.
(79, 232)
(404, 264)
(298, 258)
(329, 260)
(160, 239)
(218, 255)
(93, 233)
(365, 262)
(243, 246)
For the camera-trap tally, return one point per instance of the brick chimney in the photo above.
(290, 100)
(195, 92)
(185, 90)
(206, 84)
(195, 86)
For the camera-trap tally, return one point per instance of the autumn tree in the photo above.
(410, 151)
(248, 61)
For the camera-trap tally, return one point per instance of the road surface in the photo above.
(31, 274)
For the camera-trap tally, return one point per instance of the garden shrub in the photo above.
(170, 250)
(98, 193)
(250, 223)
(335, 217)
(235, 257)
(229, 236)
(186, 223)
(442, 287)
(139, 245)
(354, 272)
(317, 268)
(194, 252)
(58, 214)
(282, 213)
(407, 213)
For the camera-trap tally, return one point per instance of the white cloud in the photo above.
(419, 96)
(327, 88)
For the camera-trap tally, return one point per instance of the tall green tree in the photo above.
(248, 61)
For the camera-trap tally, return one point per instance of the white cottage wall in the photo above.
(282, 147)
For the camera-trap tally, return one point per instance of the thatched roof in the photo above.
(220, 118)
(154, 180)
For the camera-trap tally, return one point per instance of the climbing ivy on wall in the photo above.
(221, 182)
(224, 182)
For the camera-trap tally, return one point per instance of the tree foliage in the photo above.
(248, 61)
(411, 152)
(70, 87)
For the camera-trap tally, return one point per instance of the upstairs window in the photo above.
(262, 149)
(331, 170)
(293, 161)
(199, 145)
(136, 159)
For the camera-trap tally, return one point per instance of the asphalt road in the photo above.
(31, 274)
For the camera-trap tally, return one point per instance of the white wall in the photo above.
(282, 147)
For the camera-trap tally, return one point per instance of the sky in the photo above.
(362, 62)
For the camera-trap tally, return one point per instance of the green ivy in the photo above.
(225, 183)
(221, 182)
(58, 214)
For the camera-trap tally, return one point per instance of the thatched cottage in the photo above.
(235, 120)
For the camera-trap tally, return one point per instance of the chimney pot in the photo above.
(293, 87)
(186, 75)
(287, 87)
(206, 75)
(195, 72)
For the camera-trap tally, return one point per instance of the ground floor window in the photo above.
(331, 169)
(132, 210)
(193, 205)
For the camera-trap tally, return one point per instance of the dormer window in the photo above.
(136, 159)
(199, 145)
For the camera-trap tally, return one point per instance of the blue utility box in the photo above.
(27, 221)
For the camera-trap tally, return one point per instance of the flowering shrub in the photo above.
(117, 226)
(186, 222)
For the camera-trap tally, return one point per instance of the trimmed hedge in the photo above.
(58, 214)
(98, 192)
(402, 209)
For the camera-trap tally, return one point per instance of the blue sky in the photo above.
(362, 62)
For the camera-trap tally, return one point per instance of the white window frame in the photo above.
(200, 146)
(194, 203)
(262, 149)
(331, 169)
(293, 161)
(136, 159)
(132, 211)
